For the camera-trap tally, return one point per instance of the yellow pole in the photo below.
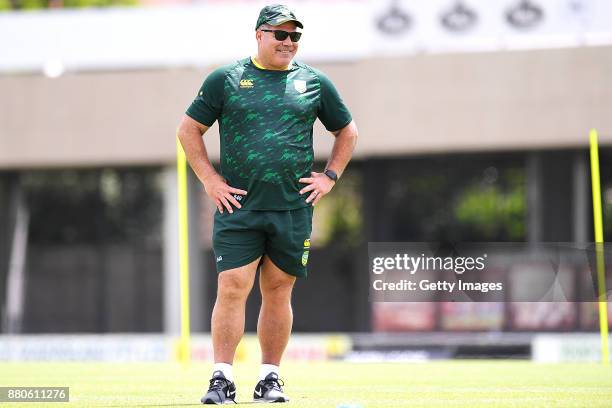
(599, 243)
(185, 341)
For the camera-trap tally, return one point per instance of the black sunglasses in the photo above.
(281, 35)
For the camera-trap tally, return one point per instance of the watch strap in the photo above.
(331, 174)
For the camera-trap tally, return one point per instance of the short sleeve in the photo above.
(207, 105)
(332, 112)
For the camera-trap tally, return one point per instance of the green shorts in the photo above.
(242, 237)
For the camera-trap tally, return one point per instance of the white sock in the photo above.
(267, 369)
(226, 369)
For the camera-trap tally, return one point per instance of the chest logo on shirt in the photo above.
(246, 83)
(299, 85)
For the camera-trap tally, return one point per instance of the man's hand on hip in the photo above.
(318, 184)
(221, 193)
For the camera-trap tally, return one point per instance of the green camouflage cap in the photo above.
(276, 14)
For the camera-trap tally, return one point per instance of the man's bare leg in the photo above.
(227, 323)
(227, 327)
(273, 329)
(275, 316)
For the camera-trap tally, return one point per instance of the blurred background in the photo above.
(473, 116)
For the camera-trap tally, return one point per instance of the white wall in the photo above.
(438, 103)
(335, 30)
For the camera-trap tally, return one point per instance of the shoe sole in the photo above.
(263, 401)
(211, 402)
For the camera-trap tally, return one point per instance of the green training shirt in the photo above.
(265, 122)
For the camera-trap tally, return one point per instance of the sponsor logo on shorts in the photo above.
(306, 252)
(219, 258)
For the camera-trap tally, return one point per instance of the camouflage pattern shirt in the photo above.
(265, 123)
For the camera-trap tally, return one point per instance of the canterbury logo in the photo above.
(246, 83)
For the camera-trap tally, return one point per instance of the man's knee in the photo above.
(278, 288)
(233, 286)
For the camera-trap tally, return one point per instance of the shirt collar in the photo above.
(258, 65)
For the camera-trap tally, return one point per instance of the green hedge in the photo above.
(41, 4)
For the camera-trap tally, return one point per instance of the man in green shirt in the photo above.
(266, 106)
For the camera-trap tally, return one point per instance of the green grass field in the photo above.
(431, 384)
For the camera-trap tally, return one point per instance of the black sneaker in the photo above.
(220, 391)
(270, 390)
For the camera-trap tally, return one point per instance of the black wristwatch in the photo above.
(331, 174)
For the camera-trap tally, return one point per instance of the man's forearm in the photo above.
(195, 151)
(346, 138)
